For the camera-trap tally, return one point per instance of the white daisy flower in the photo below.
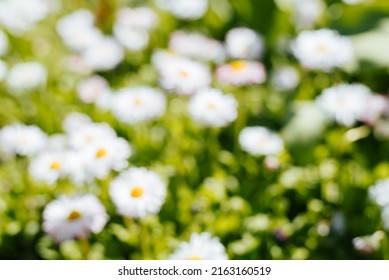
(77, 30)
(78, 166)
(140, 17)
(70, 217)
(48, 167)
(106, 155)
(160, 58)
(57, 142)
(240, 72)
(90, 134)
(377, 107)
(379, 192)
(138, 192)
(307, 12)
(345, 103)
(285, 78)
(322, 49)
(137, 104)
(184, 76)
(211, 107)
(132, 38)
(22, 140)
(3, 70)
(259, 141)
(18, 16)
(244, 43)
(75, 121)
(3, 43)
(185, 9)
(92, 89)
(26, 76)
(200, 247)
(105, 55)
(76, 63)
(197, 46)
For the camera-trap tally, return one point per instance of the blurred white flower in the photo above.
(70, 217)
(18, 16)
(106, 155)
(377, 107)
(385, 217)
(48, 167)
(77, 30)
(138, 192)
(197, 46)
(356, 2)
(185, 9)
(140, 17)
(3, 70)
(105, 55)
(78, 166)
(57, 142)
(92, 89)
(133, 39)
(26, 76)
(76, 63)
(346, 103)
(244, 43)
(3, 43)
(23, 140)
(184, 76)
(322, 49)
(200, 247)
(132, 25)
(211, 107)
(307, 12)
(381, 129)
(89, 134)
(160, 58)
(136, 104)
(379, 192)
(240, 72)
(259, 141)
(285, 78)
(75, 121)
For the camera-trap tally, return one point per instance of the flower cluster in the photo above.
(175, 129)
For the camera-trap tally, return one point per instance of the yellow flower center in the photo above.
(101, 153)
(74, 215)
(138, 101)
(137, 192)
(194, 258)
(55, 165)
(322, 49)
(238, 65)
(184, 74)
(211, 106)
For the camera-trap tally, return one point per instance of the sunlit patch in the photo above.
(101, 153)
(137, 192)
(74, 215)
(55, 165)
(238, 65)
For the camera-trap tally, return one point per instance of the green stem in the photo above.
(145, 241)
(85, 248)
